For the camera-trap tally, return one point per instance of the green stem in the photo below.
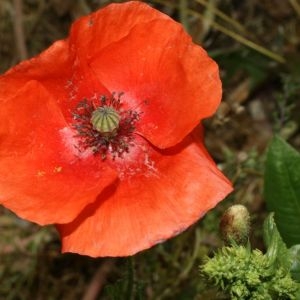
(183, 6)
(130, 294)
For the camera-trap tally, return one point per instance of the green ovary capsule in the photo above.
(105, 120)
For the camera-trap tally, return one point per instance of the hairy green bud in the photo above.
(235, 225)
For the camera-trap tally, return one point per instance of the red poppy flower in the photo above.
(97, 133)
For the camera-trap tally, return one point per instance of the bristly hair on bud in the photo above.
(235, 225)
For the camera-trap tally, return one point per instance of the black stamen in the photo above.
(115, 144)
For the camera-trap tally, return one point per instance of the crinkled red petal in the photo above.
(51, 68)
(134, 49)
(43, 177)
(64, 76)
(180, 186)
(94, 32)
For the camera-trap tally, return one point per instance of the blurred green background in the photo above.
(257, 46)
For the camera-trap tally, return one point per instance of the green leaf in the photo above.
(282, 189)
(295, 256)
(277, 252)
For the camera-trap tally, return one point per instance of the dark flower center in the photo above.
(104, 127)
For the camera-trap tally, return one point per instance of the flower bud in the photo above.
(235, 225)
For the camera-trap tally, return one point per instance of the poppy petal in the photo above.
(172, 81)
(52, 68)
(147, 209)
(43, 177)
(135, 49)
(94, 32)
(69, 81)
